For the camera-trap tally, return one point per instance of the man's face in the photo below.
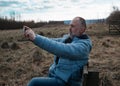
(75, 28)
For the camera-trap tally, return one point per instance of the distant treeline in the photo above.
(12, 24)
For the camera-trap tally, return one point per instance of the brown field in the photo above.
(20, 59)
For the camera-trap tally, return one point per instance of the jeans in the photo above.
(46, 81)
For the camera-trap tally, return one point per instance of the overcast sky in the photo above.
(57, 9)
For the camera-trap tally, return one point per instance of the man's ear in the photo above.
(83, 30)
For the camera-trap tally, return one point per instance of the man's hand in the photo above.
(29, 33)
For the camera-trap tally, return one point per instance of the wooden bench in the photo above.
(90, 77)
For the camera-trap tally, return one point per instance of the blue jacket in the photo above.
(72, 56)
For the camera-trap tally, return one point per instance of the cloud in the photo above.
(7, 3)
(41, 5)
(58, 8)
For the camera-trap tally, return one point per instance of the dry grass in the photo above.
(18, 66)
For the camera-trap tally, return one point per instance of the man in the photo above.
(71, 54)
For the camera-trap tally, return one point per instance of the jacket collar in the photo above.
(69, 40)
(84, 36)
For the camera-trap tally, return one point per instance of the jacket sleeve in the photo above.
(57, 39)
(71, 50)
(61, 39)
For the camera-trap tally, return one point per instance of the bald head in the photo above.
(80, 21)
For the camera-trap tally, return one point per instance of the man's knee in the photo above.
(33, 82)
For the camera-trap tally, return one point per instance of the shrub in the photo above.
(114, 17)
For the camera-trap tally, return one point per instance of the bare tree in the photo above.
(12, 15)
(115, 8)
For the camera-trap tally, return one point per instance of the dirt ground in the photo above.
(21, 60)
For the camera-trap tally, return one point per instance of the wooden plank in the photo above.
(85, 69)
